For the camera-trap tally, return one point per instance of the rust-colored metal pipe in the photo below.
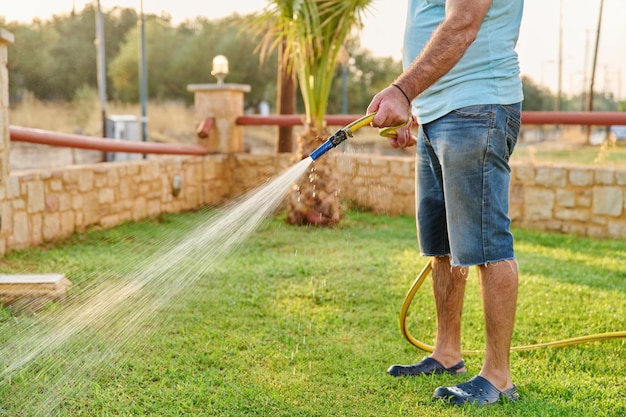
(203, 131)
(294, 119)
(574, 118)
(528, 118)
(46, 137)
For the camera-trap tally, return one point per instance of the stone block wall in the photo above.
(50, 204)
(248, 171)
(378, 183)
(45, 205)
(581, 200)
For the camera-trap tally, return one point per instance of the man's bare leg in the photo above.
(499, 283)
(449, 291)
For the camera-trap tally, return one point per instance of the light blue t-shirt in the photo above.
(488, 72)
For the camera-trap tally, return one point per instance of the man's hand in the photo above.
(404, 137)
(391, 107)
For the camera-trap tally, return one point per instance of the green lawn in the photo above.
(608, 154)
(298, 322)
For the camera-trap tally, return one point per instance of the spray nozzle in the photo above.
(336, 138)
(340, 136)
(346, 131)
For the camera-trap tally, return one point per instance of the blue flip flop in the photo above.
(475, 391)
(427, 366)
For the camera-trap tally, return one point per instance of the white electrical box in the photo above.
(124, 127)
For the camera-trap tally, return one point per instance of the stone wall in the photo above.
(383, 184)
(581, 200)
(46, 205)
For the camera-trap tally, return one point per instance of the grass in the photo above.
(608, 154)
(303, 322)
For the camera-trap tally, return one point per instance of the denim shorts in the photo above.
(463, 178)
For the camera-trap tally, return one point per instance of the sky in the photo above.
(538, 44)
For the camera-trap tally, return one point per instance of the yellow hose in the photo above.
(428, 348)
(387, 132)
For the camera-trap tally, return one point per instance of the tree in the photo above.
(162, 42)
(286, 87)
(367, 75)
(237, 41)
(74, 57)
(178, 56)
(536, 97)
(314, 32)
(55, 58)
(28, 65)
(117, 23)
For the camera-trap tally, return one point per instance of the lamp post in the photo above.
(143, 77)
(220, 68)
(101, 67)
(589, 106)
(221, 103)
(560, 61)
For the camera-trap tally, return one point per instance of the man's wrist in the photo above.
(398, 87)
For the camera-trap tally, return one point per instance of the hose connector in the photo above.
(338, 137)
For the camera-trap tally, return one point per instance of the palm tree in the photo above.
(312, 33)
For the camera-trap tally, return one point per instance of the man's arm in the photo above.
(445, 48)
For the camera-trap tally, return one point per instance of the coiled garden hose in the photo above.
(428, 348)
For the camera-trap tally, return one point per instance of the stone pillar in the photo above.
(223, 103)
(5, 39)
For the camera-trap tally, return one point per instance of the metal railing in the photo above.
(46, 137)
(528, 118)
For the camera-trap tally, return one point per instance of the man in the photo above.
(461, 82)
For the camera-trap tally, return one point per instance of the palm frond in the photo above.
(315, 31)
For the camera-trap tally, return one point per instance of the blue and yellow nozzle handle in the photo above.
(347, 131)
